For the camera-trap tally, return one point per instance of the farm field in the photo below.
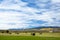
(28, 36)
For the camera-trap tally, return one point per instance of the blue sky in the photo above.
(29, 13)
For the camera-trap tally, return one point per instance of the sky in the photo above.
(18, 14)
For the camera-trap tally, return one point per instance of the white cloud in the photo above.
(55, 1)
(22, 15)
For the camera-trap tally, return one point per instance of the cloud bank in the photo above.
(29, 13)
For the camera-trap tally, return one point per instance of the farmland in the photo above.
(44, 34)
(28, 36)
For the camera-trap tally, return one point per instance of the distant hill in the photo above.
(35, 27)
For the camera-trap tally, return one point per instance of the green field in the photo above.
(28, 38)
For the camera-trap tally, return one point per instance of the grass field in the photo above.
(28, 36)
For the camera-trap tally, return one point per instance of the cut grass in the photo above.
(36, 34)
(28, 38)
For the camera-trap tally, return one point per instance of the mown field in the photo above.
(28, 36)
